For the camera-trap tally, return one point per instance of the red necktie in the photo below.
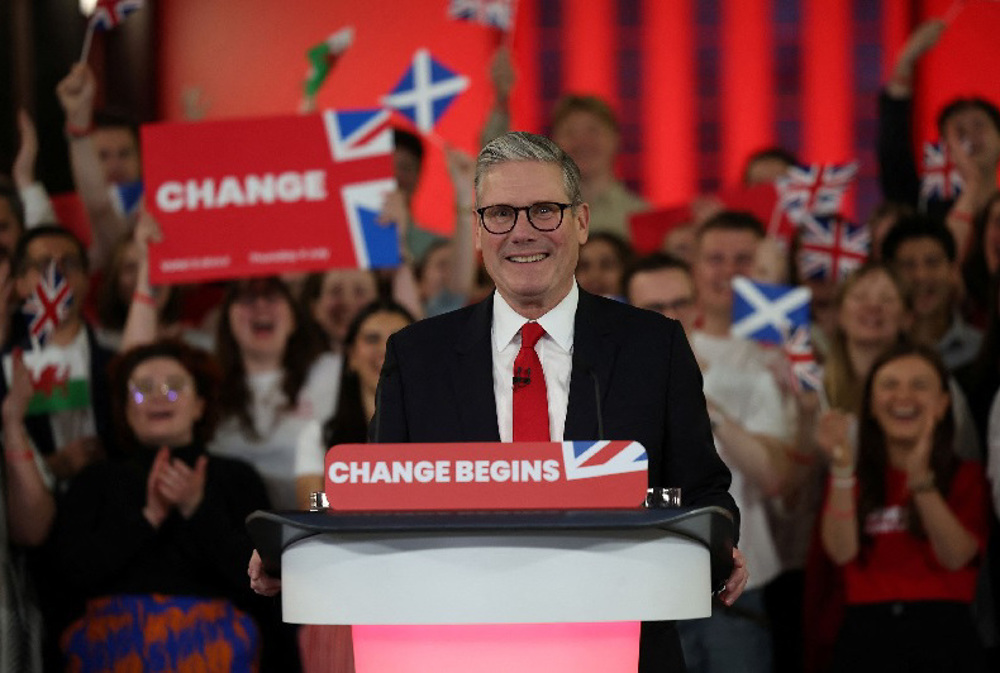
(531, 404)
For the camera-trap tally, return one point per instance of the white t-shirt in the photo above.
(275, 454)
(738, 380)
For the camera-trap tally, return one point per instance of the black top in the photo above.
(106, 546)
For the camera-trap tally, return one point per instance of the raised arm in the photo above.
(838, 523)
(37, 205)
(76, 95)
(31, 507)
(142, 322)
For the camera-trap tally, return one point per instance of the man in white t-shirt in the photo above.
(751, 427)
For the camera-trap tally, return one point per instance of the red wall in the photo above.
(248, 58)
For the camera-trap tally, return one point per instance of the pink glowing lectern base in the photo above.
(498, 648)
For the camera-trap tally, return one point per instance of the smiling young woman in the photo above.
(907, 520)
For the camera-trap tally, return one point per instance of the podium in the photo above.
(542, 583)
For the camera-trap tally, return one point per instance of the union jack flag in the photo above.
(361, 144)
(48, 305)
(584, 460)
(768, 313)
(939, 177)
(831, 247)
(806, 373)
(495, 13)
(109, 13)
(425, 91)
(806, 192)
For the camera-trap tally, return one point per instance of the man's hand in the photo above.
(76, 94)
(737, 581)
(23, 169)
(260, 581)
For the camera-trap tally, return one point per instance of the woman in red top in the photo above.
(907, 521)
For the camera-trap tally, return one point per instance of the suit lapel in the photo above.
(594, 354)
(472, 375)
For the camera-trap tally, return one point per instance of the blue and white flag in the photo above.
(425, 91)
(768, 313)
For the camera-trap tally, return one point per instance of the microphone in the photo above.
(597, 401)
(521, 377)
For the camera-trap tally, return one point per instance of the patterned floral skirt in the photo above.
(140, 634)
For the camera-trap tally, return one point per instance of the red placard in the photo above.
(252, 197)
(527, 475)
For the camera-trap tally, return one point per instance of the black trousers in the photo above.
(909, 637)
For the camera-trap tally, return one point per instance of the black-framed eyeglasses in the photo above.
(543, 216)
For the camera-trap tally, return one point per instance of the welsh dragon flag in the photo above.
(59, 376)
(324, 56)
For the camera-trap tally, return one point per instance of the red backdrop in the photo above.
(698, 83)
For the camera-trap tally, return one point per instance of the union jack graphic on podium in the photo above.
(425, 91)
(495, 13)
(360, 144)
(584, 460)
(109, 13)
(48, 305)
(831, 247)
(806, 192)
(939, 177)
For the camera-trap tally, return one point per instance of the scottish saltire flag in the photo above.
(831, 247)
(48, 305)
(126, 197)
(583, 460)
(494, 13)
(805, 372)
(768, 313)
(324, 56)
(939, 177)
(806, 192)
(425, 91)
(109, 13)
(356, 136)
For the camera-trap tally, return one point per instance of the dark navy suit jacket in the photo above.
(437, 386)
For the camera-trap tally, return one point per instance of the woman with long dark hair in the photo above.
(907, 521)
(329, 648)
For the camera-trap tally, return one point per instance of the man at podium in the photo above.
(542, 360)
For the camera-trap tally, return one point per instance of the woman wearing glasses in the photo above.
(156, 542)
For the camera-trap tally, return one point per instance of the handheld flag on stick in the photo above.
(831, 247)
(106, 16)
(425, 91)
(939, 177)
(807, 191)
(494, 13)
(48, 306)
(324, 56)
(768, 313)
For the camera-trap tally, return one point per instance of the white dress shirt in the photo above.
(555, 350)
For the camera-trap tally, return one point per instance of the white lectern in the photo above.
(568, 579)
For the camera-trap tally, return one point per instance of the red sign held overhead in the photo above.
(253, 197)
(526, 475)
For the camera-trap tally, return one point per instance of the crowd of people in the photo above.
(869, 507)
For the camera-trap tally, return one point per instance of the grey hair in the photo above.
(523, 146)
